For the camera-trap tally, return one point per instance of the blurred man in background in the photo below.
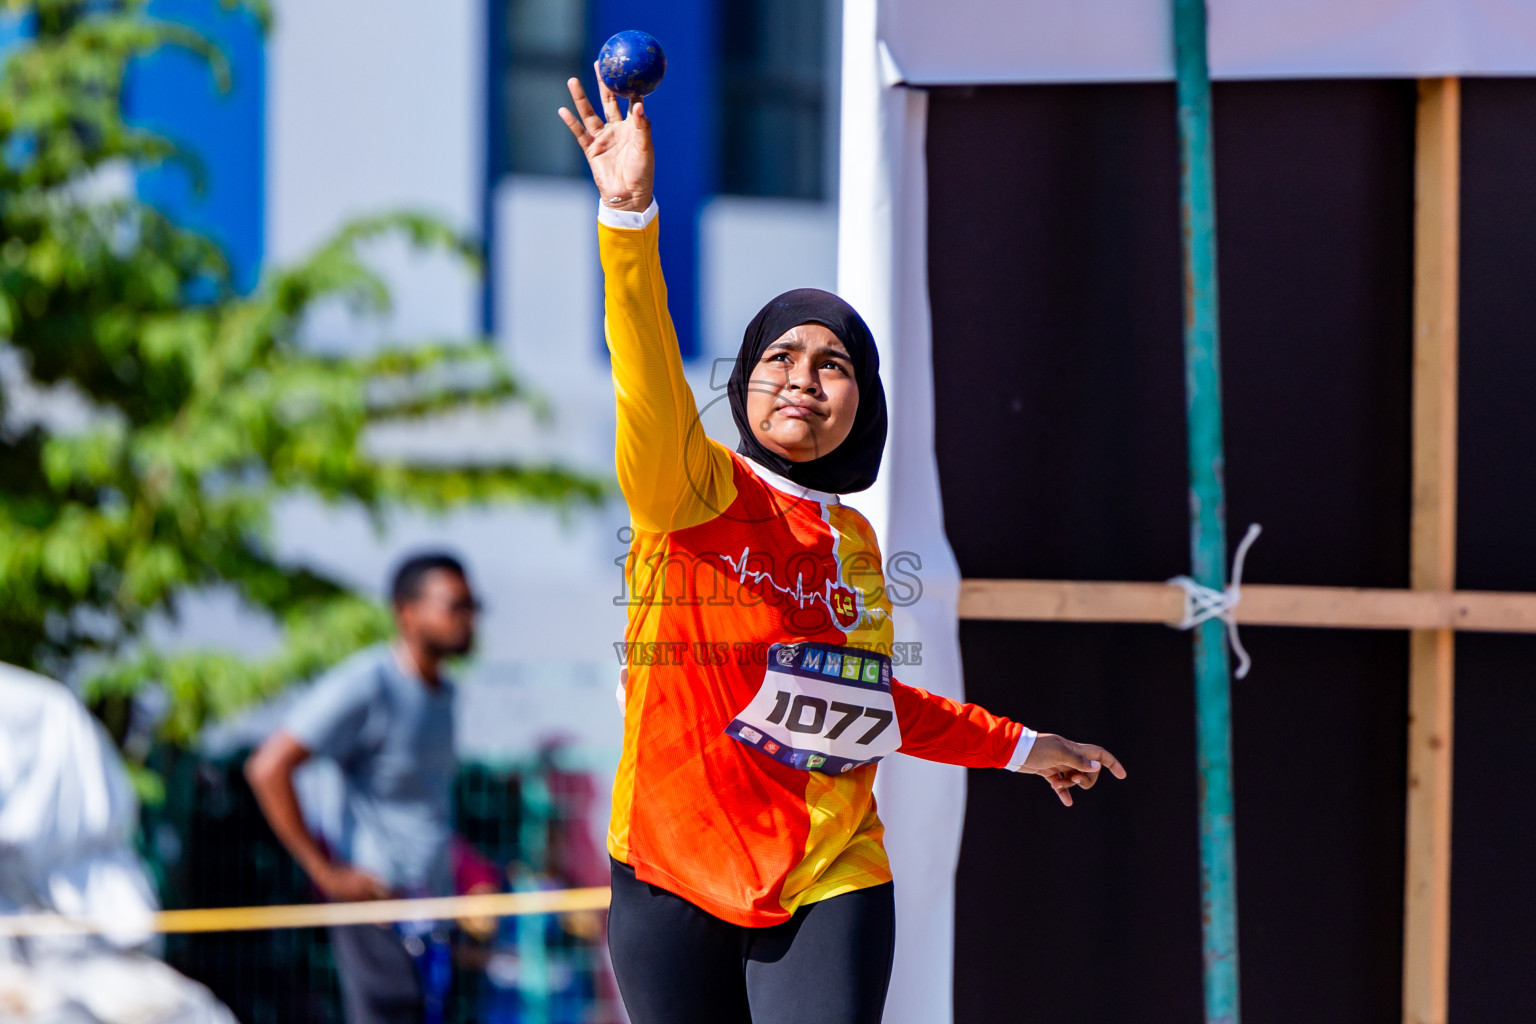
(385, 717)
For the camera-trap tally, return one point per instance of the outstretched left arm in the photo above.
(938, 729)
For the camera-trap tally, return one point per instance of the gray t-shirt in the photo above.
(392, 737)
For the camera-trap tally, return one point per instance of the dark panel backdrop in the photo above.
(1055, 286)
(1493, 888)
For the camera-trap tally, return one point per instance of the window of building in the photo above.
(774, 76)
(537, 46)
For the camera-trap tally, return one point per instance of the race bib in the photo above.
(821, 708)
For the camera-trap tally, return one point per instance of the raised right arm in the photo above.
(672, 475)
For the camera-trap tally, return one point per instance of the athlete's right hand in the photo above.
(343, 883)
(1065, 764)
(618, 151)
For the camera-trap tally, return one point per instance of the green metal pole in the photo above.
(1207, 511)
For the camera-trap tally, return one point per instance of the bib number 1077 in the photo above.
(821, 708)
(803, 713)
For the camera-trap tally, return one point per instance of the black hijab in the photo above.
(854, 464)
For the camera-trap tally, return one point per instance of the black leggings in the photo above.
(677, 964)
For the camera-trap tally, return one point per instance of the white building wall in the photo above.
(753, 249)
(372, 108)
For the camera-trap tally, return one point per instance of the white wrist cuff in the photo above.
(1021, 752)
(626, 219)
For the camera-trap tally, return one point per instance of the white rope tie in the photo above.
(1202, 603)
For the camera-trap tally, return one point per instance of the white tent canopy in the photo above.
(994, 42)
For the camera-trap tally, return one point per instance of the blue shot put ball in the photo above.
(632, 64)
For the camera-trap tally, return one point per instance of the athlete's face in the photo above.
(802, 396)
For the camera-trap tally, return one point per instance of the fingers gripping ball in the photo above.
(632, 64)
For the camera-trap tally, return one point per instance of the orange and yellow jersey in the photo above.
(728, 559)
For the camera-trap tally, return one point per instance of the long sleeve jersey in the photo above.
(739, 581)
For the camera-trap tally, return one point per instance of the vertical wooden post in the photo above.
(1426, 920)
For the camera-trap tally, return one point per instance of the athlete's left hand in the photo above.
(1065, 764)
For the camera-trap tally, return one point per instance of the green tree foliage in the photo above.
(204, 406)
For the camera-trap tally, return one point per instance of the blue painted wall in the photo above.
(494, 158)
(684, 112)
(174, 92)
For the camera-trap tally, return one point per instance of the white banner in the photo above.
(1030, 41)
(883, 271)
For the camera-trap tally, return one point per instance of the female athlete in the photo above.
(749, 879)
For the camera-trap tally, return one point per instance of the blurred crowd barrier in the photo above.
(522, 826)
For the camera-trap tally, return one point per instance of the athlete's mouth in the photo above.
(795, 410)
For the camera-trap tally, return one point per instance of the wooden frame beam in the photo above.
(1261, 605)
(1431, 671)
